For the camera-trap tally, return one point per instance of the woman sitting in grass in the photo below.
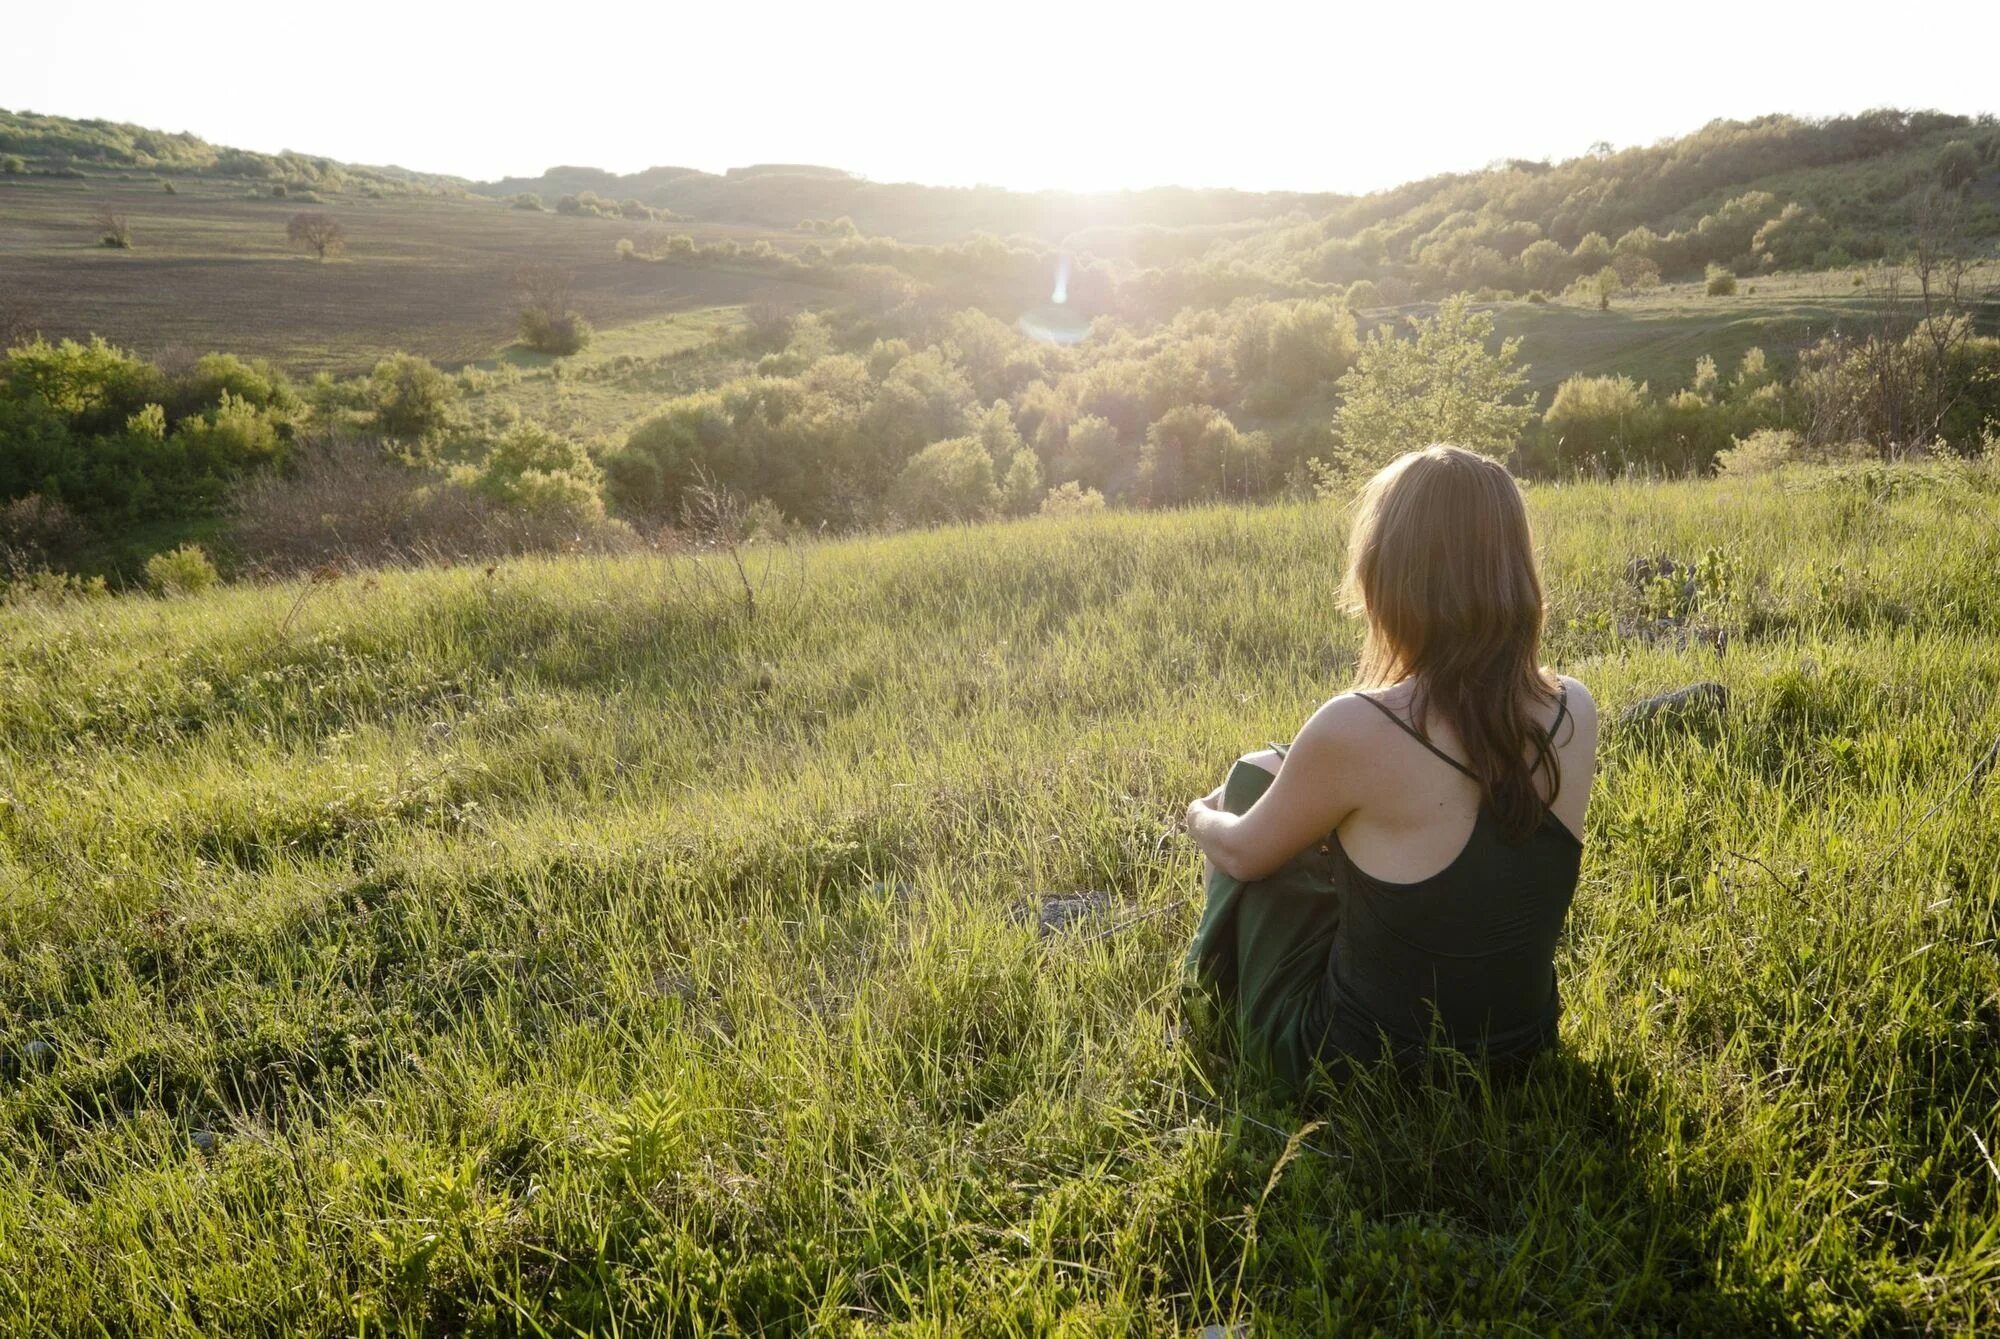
(1398, 876)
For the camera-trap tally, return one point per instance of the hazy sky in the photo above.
(1323, 96)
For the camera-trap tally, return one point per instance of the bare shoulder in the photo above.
(1581, 703)
(1342, 719)
(1582, 707)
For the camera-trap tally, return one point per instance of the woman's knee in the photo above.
(1268, 760)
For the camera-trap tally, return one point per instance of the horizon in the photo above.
(848, 101)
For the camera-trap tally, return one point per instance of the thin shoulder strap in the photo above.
(1562, 710)
(1415, 734)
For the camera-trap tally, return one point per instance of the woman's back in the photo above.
(1406, 871)
(1444, 922)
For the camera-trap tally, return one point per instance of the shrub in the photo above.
(1721, 283)
(556, 333)
(531, 469)
(169, 188)
(569, 204)
(94, 386)
(278, 190)
(1610, 420)
(1762, 452)
(38, 532)
(256, 381)
(182, 571)
(1958, 163)
(12, 166)
(349, 500)
(528, 200)
(548, 324)
(410, 398)
(1072, 499)
(626, 250)
(113, 229)
(40, 586)
(234, 437)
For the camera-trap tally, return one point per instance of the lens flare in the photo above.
(1053, 322)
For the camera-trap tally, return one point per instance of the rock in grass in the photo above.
(1696, 703)
(1058, 911)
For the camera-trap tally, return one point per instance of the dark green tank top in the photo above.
(1469, 951)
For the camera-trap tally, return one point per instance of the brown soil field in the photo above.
(210, 268)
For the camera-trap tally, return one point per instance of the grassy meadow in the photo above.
(645, 945)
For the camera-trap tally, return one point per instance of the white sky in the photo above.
(1317, 96)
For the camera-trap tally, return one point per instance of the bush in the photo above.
(1957, 164)
(37, 532)
(531, 469)
(528, 200)
(113, 229)
(556, 333)
(182, 571)
(12, 166)
(1721, 283)
(347, 500)
(410, 398)
(626, 250)
(1610, 420)
(169, 188)
(569, 204)
(278, 190)
(547, 321)
(1762, 452)
(1072, 499)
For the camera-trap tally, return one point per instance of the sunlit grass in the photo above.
(584, 944)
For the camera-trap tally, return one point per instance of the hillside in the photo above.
(578, 945)
(1179, 347)
(68, 147)
(1699, 197)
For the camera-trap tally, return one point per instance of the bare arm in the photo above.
(1314, 792)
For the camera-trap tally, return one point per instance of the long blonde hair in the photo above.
(1442, 563)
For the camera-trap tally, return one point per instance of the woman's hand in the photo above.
(1317, 785)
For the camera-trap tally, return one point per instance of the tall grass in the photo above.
(584, 947)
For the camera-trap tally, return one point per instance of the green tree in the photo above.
(1544, 263)
(950, 480)
(1093, 455)
(1443, 385)
(1021, 488)
(1194, 451)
